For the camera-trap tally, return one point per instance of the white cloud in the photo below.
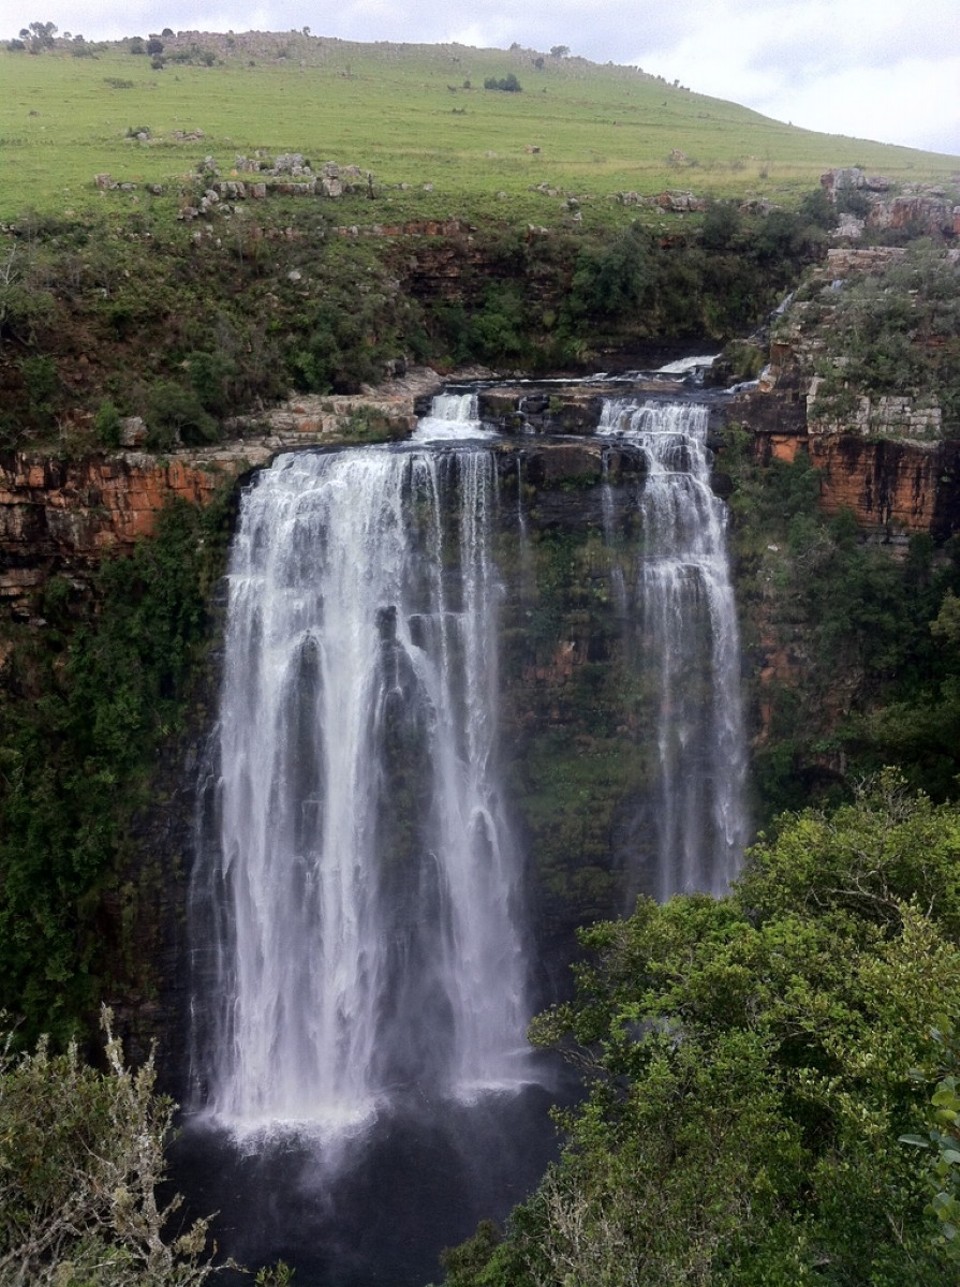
(914, 102)
(866, 68)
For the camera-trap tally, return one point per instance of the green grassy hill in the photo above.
(413, 114)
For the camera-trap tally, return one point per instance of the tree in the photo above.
(81, 1165)
(26, 306)
(943, 1140)
(154, 45)
(559, 51)
(38, 36)
(752, 1062)
(613, 277)
(722, 224)
(175, 414)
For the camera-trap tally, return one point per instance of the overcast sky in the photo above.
(880, 69)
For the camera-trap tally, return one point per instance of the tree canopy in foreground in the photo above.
(753, 1063)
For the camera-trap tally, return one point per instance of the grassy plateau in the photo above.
(412, 114)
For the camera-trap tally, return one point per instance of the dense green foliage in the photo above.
(943, 1140)
(87, 704)
(81, 1169)
(508, 84)
(190, 330)
(752, 1064)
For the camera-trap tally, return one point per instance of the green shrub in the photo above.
(612, 277)
(508, 84)
(81, 1175)
(212, 376)
(106, 424)
(41, 381)
(722, 225)
(175, 415)
(817, 208)
(751, 1063)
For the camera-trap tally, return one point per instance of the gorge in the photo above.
(367, 663)
(370, 931)
(535, 557)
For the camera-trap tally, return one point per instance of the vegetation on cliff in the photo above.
(892, 331)
(87, 704)
(866, 665)
(99, 322)
(82, 1165)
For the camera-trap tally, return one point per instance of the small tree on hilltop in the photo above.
(39, 36)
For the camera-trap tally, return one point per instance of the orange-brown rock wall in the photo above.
(66, 514)
(901, 488)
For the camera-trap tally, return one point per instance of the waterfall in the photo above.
(452, 416)
(690, 647)
(364, 889)
(364, 954)
(357, 905)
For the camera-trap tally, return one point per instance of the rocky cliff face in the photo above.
(888, 459)
(895, 489)
(63, 515)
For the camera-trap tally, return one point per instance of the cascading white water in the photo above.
(690, 647)
(365, 888)
(452, 416)
(361, 887)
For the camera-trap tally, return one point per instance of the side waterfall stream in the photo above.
(362, 925)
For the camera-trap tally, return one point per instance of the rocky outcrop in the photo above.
(888, 458)
(287, 175)
(674, 202)
(921, 208)
(63, 515)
